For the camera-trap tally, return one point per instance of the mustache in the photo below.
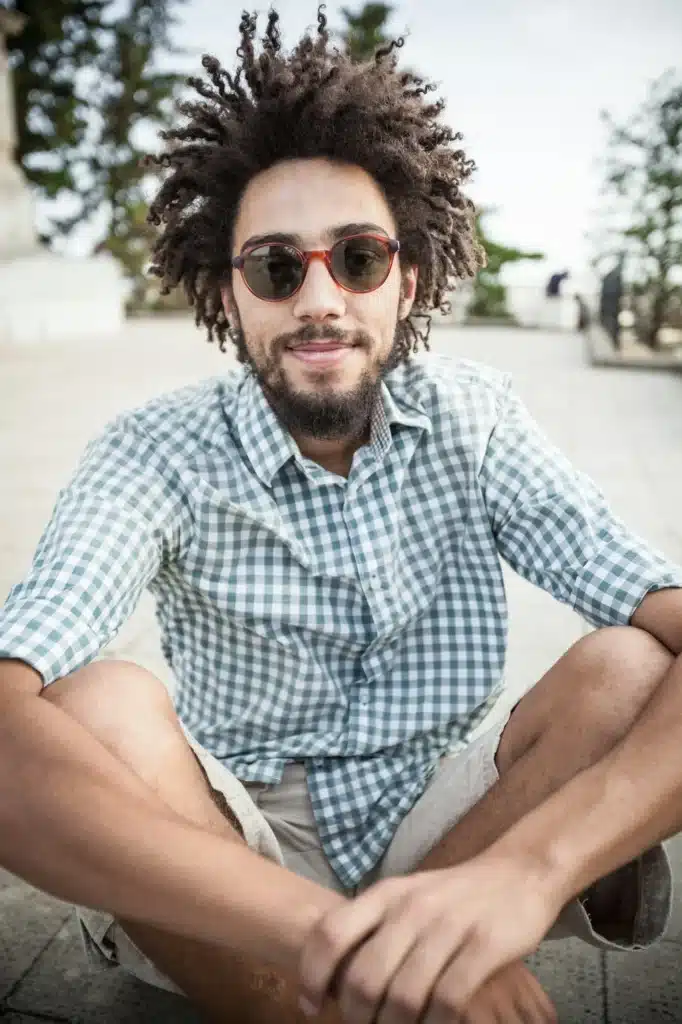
(318, 332)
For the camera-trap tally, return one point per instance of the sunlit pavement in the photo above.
(624, 428)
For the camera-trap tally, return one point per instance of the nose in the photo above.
(319, 297)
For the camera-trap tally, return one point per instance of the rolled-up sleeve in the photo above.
(554, 527)
(111, 529)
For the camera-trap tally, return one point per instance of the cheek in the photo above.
(380, 311)
(256, 318)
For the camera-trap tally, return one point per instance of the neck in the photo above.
(335, 455)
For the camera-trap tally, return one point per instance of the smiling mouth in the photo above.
(320, 345)
(322, 353)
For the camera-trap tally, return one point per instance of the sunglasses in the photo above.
(274, 271)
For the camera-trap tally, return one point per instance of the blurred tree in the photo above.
(86, 81)
(644, 176)
(58, 41)
(366, 30)
(131, 94)
(489, 297)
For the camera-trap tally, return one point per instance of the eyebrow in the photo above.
(333, 234)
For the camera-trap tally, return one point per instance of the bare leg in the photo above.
(568, 721)
(130, 712)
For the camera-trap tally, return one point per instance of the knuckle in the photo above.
(392, 888)
(481, 940)
(326, 938)
(424, 906)
(360, 988)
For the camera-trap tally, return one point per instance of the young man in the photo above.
(342, 806)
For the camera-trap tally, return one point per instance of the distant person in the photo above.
(344, 801)
(553, 289)
(610, 301)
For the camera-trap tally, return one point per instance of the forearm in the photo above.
(608, 814)
(75, 822)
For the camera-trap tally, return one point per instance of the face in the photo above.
(320, 354)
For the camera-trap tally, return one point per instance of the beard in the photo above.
(326, 415)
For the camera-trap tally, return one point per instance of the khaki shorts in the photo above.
(277, 821)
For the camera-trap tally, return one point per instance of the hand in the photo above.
(512, 996)
(416, 948)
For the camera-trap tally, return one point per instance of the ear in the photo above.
(408, 290)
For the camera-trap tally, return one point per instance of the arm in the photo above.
(73, 820)
(628, 801)
(125, 854)
(554, 527)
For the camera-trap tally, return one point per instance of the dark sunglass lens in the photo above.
(362, 263)
(273, 271)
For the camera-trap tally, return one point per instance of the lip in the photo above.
(321, 353)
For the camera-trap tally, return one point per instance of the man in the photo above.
(342, 806)
(610, 300)
(553, 289)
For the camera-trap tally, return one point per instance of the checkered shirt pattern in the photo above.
(358, 624)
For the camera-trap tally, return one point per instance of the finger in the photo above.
(483, 1012)
(476, 961)
(334, 938)
(365, 981)
(408, 995)
(526, 1011)
(492, 1004)
(536, 1005)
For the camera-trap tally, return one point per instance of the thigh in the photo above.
(276, 821)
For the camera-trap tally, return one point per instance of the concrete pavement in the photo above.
(624, 429)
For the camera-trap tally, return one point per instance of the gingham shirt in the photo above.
(359, 624)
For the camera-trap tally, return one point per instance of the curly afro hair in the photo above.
(315, 102)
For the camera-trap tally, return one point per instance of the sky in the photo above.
(523, 80)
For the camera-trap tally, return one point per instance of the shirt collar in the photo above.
(265, 441)
(397, 408)
(268, 445)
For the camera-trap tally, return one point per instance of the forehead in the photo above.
(307, 198)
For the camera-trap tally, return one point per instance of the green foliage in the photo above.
(366, 30)
(85, 81)
(58, 41)
(131, 93)
(490, 296)
(644, 180)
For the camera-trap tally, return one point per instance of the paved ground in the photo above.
(624, 428)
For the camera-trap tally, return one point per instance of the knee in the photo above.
(114, 700)
(613, 673)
